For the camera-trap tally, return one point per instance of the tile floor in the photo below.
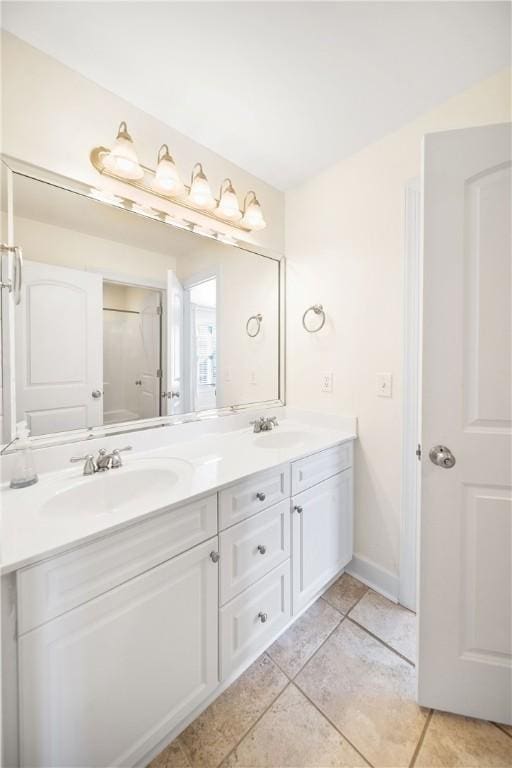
(337, 689)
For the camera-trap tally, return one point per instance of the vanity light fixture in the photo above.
(253, 215)
(122, 159)
(228, 207)
(121, 163)
(167, 179)
(200, 193)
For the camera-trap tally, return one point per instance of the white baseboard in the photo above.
(379, 579)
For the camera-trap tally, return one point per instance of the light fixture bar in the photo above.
(97, 159)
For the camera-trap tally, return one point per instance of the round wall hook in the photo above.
(318, 310)
(258, 318)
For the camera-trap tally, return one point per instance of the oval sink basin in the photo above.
(279, 439)
(143, 483)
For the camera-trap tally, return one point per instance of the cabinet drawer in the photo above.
(243, 634)
(252, 548)
(319, 466)
(254, 494)
(54, 586)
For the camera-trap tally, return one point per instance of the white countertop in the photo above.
(202, 464)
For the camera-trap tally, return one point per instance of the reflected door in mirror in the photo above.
(59, 340)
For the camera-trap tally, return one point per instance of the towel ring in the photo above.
(318, 310)
(258, 319)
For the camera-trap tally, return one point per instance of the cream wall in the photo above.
(344, 247)
(52, 117)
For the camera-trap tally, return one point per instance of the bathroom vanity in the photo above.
(133, 596)
(130, 623)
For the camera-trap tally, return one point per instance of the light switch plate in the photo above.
(384, 385)
(327, 381)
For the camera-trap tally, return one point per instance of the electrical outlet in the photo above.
(227, 375)
(384, 385)
(327, 381)
(253, 377)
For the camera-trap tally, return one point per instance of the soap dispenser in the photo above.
(24, 470)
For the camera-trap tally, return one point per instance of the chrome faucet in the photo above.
(103, 460)
(264, 423)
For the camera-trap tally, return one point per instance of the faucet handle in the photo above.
(274, 421)
(90, 466)
(116, 460)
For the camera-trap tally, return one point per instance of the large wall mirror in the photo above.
(123, 317)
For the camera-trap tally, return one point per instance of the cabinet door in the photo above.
(101, 685)
(322, 535)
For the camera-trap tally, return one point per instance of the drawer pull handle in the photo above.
(214, 557)
(298, 508)
(262, 617)
(262, 549)
(261, 496)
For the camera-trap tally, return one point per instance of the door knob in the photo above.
(96, 393)
(441, 456)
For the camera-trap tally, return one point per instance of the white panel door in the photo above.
(102, 684)
(59, 349)
(148, 382)
(465, 576)
(322, 536)
(173, 396)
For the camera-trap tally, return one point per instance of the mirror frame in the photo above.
(12, 167)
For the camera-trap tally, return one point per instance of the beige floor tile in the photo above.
(300, 641)
(344, 593)
(293, 734)
(368, 692)
(172, 756)
(392, 623)
(461, 741)
(217, 730)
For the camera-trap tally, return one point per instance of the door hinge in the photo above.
(418, 452)
(159, 373)
(159, 309)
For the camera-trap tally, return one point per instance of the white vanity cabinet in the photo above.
(101, 684)
(121, 640)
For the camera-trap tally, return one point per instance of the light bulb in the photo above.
(253, 215)
(200, 193)
(167, 179)
(122, 159)
(228, 206)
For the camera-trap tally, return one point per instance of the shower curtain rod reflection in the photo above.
(128, 311)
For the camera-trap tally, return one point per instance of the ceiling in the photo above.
(283, 89)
